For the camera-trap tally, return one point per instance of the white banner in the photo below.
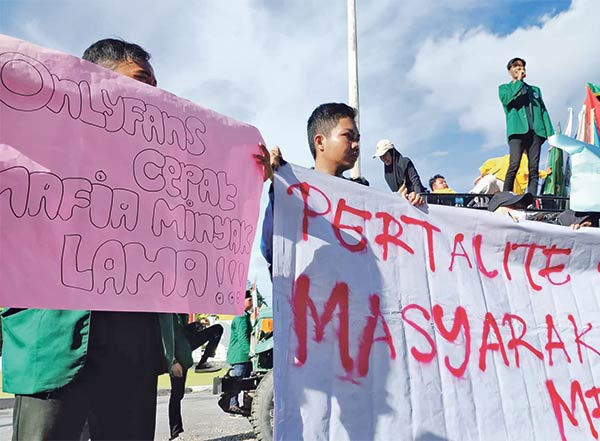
(446, 323)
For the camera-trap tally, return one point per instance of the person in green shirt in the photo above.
(238, 354)
(66, 367)
(527, 123)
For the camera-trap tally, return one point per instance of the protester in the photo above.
(188, 338)
(493, 174)
(438, 184)
(527, 123)
(181, 363)
(68, 366)
(238, 355)
(576, 220)
(400, 172)
(333, 139)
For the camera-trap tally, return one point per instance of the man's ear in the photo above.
(319, 142)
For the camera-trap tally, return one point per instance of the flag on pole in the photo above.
(569, 128)
(255, 305)
(566, 159)
(554, 184)
(580, 136)
(253, 314)
(592, 117)
(593, 129)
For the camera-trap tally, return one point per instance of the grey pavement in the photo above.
(5, 424)
(203, 420)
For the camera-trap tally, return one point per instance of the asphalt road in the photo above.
(202, 420)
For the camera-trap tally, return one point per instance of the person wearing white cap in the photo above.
(400, 172)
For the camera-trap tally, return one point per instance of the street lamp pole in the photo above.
(353, 73)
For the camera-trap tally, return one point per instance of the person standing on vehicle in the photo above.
(238, 354)
(527, 123)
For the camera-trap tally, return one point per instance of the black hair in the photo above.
(323, 119)
(109, 51)
(513, 61)
(433, 179)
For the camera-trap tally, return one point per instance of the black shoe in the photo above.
(207, 367)
(175, 435)
(236, 410)
(224, 402)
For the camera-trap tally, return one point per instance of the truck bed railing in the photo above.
(547, 203)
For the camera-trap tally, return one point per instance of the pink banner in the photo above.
(115, 195)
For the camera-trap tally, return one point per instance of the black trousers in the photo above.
(177, 392)
(197, 336)
(115, 390)
(531, 145)
(115, 410)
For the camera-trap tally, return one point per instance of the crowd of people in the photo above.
(527, 127)
(64, 366)
(511, 180)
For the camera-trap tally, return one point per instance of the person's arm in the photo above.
(414, 185)
(510, 92)
(245, 332)
(233, 329)
(414, 180)
(182, 354)
(176, 367)
(413, 197)
(263, 159)
(266, 238)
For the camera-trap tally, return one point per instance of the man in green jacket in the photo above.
(68, 366)
(238, 354)
(527, 123)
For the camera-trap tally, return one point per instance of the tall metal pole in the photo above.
(353, 72)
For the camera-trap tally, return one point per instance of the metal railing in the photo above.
(548, 203)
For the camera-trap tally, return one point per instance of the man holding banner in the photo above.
(68, 366)
(333, 139)
(428, 325)
(118, 198)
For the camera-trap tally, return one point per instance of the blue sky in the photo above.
(428, 70)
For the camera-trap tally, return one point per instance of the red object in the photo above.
(592, 101)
